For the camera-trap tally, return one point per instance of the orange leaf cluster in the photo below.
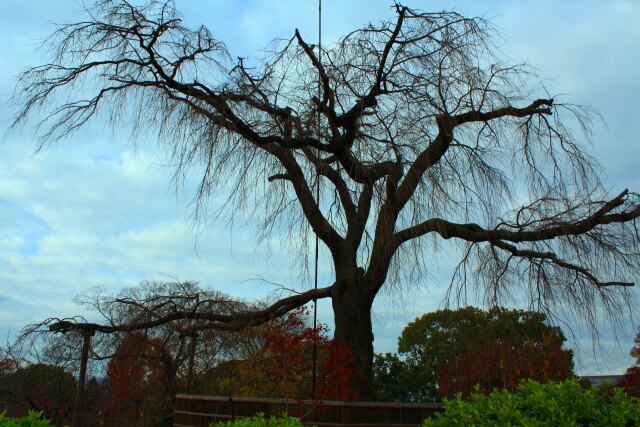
(284, 365)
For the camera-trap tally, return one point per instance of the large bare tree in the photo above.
(414, 130)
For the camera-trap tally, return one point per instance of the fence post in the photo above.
(77, 410)
(192, 351)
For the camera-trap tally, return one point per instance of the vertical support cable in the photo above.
(315, 301)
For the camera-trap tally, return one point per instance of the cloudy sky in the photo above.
(93, 211)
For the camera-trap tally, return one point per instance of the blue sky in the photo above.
(94, 211)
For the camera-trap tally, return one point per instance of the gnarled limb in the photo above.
(215, 321)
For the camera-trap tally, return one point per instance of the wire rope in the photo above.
(315, 284)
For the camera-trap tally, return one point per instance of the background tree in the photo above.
(449, 351)
(163, 349)
(500, 365)
(7, 363)
(134, 375)
(218, 375)
(393, 380)
(41, 376)
(39, 387)
(94, 400)
(218, 380)
(630, 381)
(418, 133)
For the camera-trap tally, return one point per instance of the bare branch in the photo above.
(215, 321)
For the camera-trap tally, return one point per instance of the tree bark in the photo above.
(352, 313)
(79, 401)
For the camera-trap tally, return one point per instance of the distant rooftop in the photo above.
(598, 380)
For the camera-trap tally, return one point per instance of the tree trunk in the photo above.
(352, 311)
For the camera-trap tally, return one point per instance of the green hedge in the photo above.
(260, 421)
(534, 404)
(34, 419)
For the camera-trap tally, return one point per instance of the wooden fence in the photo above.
(199, 411)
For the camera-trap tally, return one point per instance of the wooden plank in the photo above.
(339, 403)
(203, 414)
(202, 409)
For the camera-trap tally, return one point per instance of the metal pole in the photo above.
(77, 410)
(315, 301)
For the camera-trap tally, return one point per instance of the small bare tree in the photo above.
(182, 346)
(414, 129)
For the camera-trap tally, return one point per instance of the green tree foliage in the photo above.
(448, 344)
(534, 404)
(32, 419)
(393, 381)
(42, 388)
(260, 421)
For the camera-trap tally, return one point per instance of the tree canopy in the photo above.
(415, 130)
(451, 351)
(630, 381)
(39, 387)
(134, 374)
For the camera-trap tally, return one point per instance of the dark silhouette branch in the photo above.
(215, 321)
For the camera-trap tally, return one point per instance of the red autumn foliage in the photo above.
(500, 365)
(133, 373)
(630, 381)
(635, 351)
(284, 365)
(7, 364)
(335, 375)
(288, 340)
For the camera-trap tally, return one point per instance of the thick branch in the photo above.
(360, 172)
(553, 258)
(539, 106)
(324, 168)
(501, 237)
(357, 227)
(305, 196)
(475, 233)
(220, 322)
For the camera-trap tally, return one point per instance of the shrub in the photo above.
(534, 404)
(630, 381)
(260, 421)
(33, 419)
